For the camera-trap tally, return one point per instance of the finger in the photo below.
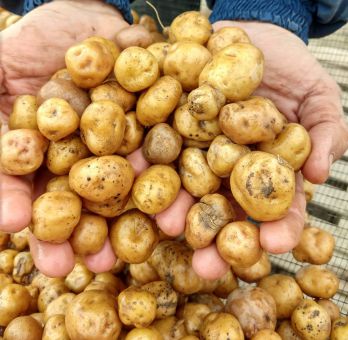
(6, 103)
(134, 35)
(172, 220)
(53, 260)
(283, 235)
(102, 261)
(139, 163)
(208, 264)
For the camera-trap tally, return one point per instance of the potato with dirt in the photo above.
(286, 331)
(23, 115)
(55, 329)
(143, 272)
(226, 284)
(23, 266)
(171, 328)
(331, 308)
(111, 207)
(49, 293)
(79, 278)
(58, 306)
(7, 257)
(214, 303)
(159, 51)
(339, 330)
(24, 328)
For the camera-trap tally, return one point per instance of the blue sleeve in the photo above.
(122, 5)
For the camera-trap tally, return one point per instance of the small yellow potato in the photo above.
(58, 306)
(206, 218)
(311, 321)
(144, 334)
(331, 308)
(55, 329)
(185, 61)
(170, 328)
(339, 330)
(23, 328)
(50, 293)
(317, 282)
(135, 16)
(157, 103)
(316, 246)
(41, 281)
(225, 37)
(23, 115)
(79, 278)
(285, 291)
(223, 154)
(109, 208)
(23, 265)
(89, 234)
(266, 334)
(236, 70)
(286, 331)
(212, 301)
(226, 285)
(254, 308)
(143, 272)
(109, 44)
(159, 51)
(112, 280)
(136, 307)
(205, 102)
(192, 26)
(133, 237)
(99, 319)
(221, 326)
(101, 178)
(7, 257)
(61, 74)
(21, 151)
(102, 125)
(19, 240)
(55, 215)
(56, 119)
(59, 183)
(156, 189)
(89, 63)
(136, 69)
(64, 153)
(195, 174)
(264, 185)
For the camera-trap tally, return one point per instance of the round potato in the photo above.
(62, 74)
(266, 334)
(55, 215)
(311, 321)
(286, 331)
(21, 151)
(225, 37)
(170, 328)
(136, 69)
(212, 301)
(236, 70)
(339, 330)
(316, 246)
(102, 125)
(23, 115)
(331, 308)
(254, 308)
(24, 328)
(185, 61)
(55, 329)
(58, 306)
(64, 153)
(89, 63)
(192, 26)
(159, 51)
(143, 272)
(144, 334)
(7, 257)
(238, 243)
(205, 219)
(50, 293)
(226, 285)
(264, 185)
(23, 266)
(285, 291)
(109, 44)
(162, 144)
(99, 319)
(133, 237)
(100, 178)
(56, 119)
(195, 174)
(111, 207)
(79, 278)
(317, 282)
(156, 189)
(59, 183)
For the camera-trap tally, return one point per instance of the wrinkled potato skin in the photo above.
(99, 319)
(58, 306)
(109, 208)
(62, 74)
(266, 334)
(211, 300)
(79, 278)
(113, 91)
(192, 26)
(256, 272)
(23, 115)
(49, 294)
(195, 174)
(223, 154)
(225, 37)
(285, 291)
(292, 144)
(156, 103)
(24, 328)
(133, 237)
(185, 61)
(21, 151)
(226, 285)
(64, 153)
(59, 183)
(7, 257)
(23, 266)
(205, 219)
(102, 125)
(316, 246)
(100, 178)
(144, 334)
(56, 119)
(171, 328)
(55, 215)
(317, 282)
(263, 185)
(286, 332)
(143, 272)
(236, 70)
(55, 329)
(130, 69)
(156, 189)
(311, 321)
(89, 63)
(220, 326)
(159, 51)
(262, 314)
(331, 308)
(251, 121)
(162, 144)
(192, 128)
(19, 240)
(238, 243)
(67, 90)
(340, 329)
(133, 135)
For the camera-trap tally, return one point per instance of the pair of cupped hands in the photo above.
(33, 49)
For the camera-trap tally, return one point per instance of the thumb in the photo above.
(134, 35)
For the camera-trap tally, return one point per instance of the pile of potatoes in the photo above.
(188, 104)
